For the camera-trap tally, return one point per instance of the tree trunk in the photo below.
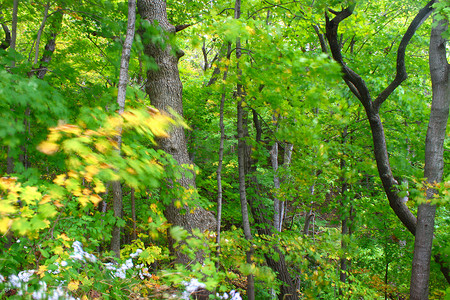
(121, 93)
(434, 162)
(219, 167)
(265, 226)
(133, 214)
(344, 262)
(165, 91)
(10, 159)
(242, 158)
(39, 33)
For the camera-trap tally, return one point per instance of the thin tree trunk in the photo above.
(434, 162)
(344, 226)
(10, 159)
(219, 167)
(277, 211)
(39, 34)
(121, 93)
(133, 213)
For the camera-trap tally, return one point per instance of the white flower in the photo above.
(15, 281)
(191, 287)
(120, 273)
(77, 256)
(90, 257)
(25, 275)
(129, 263)
(2, 278)
(64, 263)
(136, 254)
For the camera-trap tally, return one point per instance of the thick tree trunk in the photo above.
(434, 162)
(165, 91)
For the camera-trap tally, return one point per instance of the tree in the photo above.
(121, 93)
(165, 91)
(372, 107)
(434, 161)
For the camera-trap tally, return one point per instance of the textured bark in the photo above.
(165, 91)
(434, 162)
(121, 93)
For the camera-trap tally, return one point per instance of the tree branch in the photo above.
(401, 75)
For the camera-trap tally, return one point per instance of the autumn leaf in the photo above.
(73, 285)
(48, 148)
(5, 224)
(41, 271)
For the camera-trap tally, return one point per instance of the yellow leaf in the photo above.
(95, 199)
(64, 237)
(99, 187)
(5, 223)
(45, 199)
(41, 271)
(59, 180)
(6, 207)
(69, 128)
(73, 285)
(250, 30)
(48, 147)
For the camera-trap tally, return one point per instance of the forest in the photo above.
(199, 149)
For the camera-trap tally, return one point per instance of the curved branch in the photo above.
(5, 44)
(356, 84)
(401, 75)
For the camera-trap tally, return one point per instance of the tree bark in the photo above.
(165, 91)
(434, 162)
